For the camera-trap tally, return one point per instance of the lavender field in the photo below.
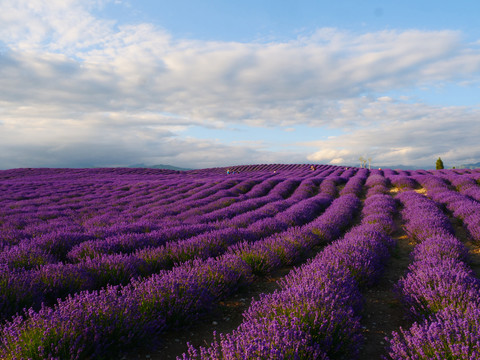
(351, 263)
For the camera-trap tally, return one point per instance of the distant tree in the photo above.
(439, 164)
(362, 161)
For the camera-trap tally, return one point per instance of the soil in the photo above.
(394, 190)
(382, 311)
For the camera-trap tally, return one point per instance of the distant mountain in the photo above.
(161, 166)
(470, 166)
(403, 167)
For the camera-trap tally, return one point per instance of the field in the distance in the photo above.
(282, 261)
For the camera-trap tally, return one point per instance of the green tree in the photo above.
(439, 164)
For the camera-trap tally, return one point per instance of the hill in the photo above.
(470, 166)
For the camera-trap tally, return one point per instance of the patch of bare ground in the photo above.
(394, 190)
(382, 312)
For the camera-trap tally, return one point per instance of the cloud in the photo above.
(385, 98)
(329, 154)
(124, 149)
(70, 80)
(404, 133)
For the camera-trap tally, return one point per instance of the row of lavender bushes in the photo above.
(315, 314)
(129, 201)
(121, 219)
(440, 292)
(95, 210)
(461, 198)
(52, 281)
(99, 323)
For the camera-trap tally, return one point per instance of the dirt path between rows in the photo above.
(382, 312)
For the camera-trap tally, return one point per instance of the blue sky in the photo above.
(252, 20)
(218, 83)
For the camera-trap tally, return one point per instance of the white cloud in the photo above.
(337, 161)
(385, 99)
(330, 155)
(55, 25)
(69, 79)
(403, 133)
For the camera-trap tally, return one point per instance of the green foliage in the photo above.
(439, 164)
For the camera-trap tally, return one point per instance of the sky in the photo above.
(202, 84)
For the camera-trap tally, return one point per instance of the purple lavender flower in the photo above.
(452, 333)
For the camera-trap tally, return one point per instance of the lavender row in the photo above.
(97, 231)
(439, 291)
(49, 282)
(275, 206)
(103, 226)
(128, 243)
(377, 184)
(283, 213)
(207, 198)
(288, 247)
(52, 213)
(462, 206)
(403, 182)
(48, 202)
(466, 185)
(114, 321)
(147, 231)
(292, 190)
(100, 323)
(315, 315)
(355, 184)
